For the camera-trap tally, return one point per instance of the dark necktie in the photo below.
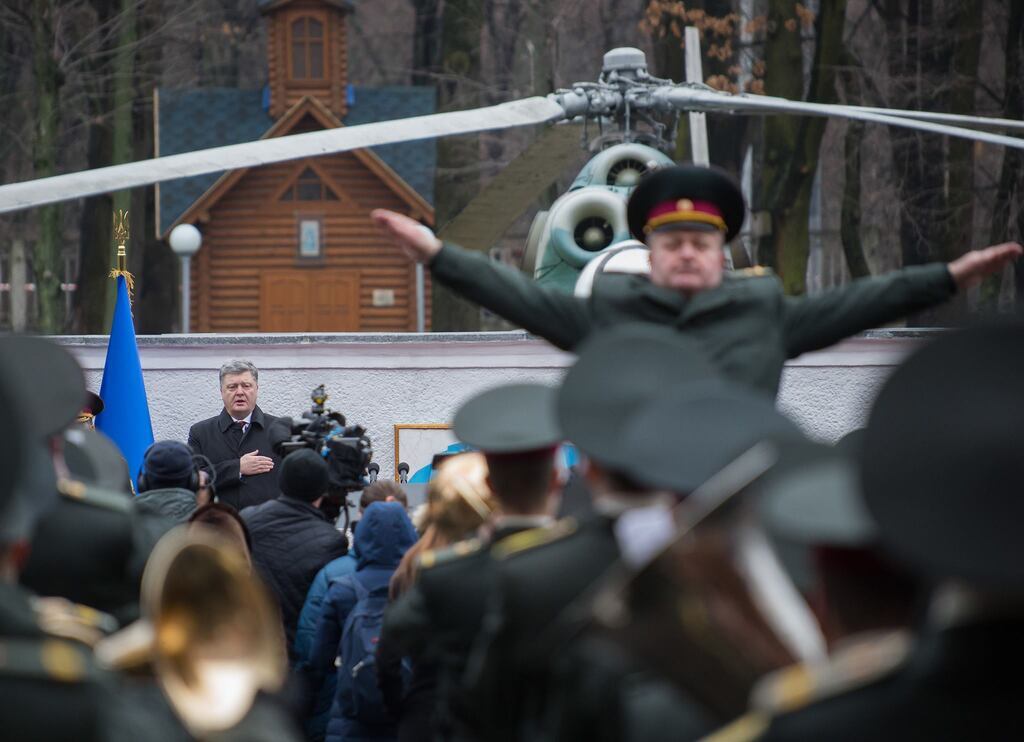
(237, 431)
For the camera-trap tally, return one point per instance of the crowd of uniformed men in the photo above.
(703, 571)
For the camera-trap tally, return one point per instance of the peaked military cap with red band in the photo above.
(686, 196)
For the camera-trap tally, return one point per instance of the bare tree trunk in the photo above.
(18, 279)
(933, 61)
(849, 229)
(791, 145)
(157, 300)
(426, 41)
(48, 263)
(1011, 175)
(457, 157)
(94, 298)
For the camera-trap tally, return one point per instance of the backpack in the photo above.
(357, 675)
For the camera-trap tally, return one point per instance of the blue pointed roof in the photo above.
(199, 118)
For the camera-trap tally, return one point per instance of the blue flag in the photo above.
(125, 416)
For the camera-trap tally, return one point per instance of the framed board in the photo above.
(416, 444)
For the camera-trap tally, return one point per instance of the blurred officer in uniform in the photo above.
(941, 470)
(437, 619)
(50, 685)
(90, 547)
(620, 689)
(814, 511)
(93, 458)
(541, 571)
(741, 319)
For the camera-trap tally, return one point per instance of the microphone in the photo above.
(372, 470)
(403, 473)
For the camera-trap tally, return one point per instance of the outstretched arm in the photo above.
(552, 314)
(811, 323)
(970, 268)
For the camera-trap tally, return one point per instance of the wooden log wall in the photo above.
(250, 231)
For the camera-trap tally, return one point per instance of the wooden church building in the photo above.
(290, 247)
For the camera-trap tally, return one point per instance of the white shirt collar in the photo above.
(247, 419)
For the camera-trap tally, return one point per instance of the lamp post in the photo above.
(185, 240)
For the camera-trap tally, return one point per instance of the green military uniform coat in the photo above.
(539, 574)
(439, 617)
(50, 687)
(747, 326)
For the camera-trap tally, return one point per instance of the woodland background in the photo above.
(833, 199)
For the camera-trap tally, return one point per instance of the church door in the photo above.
(309, 301)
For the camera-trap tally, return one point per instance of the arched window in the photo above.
(307, 48)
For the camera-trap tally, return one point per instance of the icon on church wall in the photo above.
(309, 238)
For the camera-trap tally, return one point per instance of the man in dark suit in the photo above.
(237, 441)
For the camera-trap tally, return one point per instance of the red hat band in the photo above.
(684, 210)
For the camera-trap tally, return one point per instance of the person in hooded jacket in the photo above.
(385, 533)
(315, 724)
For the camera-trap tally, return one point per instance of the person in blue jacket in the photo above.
(382, 538)
(315, 724)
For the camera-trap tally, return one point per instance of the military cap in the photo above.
(812, 496)
(690, 196)
(514, 418)
(35, 413)
(93, 407)
(680, 440)
(617, 371)
(943, 458)
(95, 459)
(45, 373)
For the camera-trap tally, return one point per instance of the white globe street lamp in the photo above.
(185, 240)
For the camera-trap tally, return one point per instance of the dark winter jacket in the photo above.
(383, 536)
(291, 541)
(174, 503)
(315, 723)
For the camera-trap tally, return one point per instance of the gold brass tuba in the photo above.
(208, 630)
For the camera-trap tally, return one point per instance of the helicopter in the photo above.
(635, 115)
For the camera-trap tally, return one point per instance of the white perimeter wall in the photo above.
(381, 380)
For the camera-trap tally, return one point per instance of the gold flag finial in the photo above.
(121, 238)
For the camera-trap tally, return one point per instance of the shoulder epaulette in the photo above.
(74, 490)
(62, 618)
(533, 537)
(858, 665)
(434, 557)
(754, 271)
(51, 659)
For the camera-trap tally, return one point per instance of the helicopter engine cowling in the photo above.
(580, 225)
(621, 167)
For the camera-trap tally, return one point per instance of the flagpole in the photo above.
(121, 238)
(125, 417)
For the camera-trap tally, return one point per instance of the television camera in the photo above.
(346, 449)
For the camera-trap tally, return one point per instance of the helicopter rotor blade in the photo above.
(486, 218)
(525, 112)
(984, 122)
(705, 99)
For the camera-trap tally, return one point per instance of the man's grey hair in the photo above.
(239, 367)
